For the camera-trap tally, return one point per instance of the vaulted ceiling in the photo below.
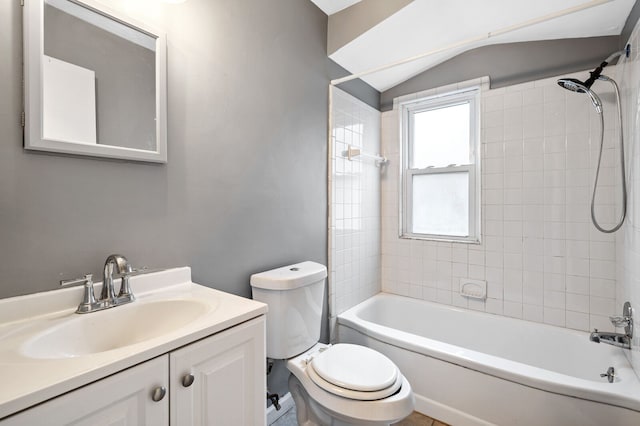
(366, 34)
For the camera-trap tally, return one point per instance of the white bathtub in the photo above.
(472, 368)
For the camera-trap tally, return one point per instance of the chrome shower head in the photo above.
(578, 86)
(572, 84)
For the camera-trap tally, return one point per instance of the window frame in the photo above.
(408, 110)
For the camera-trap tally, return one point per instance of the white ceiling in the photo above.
(332, 6)
(426, 25)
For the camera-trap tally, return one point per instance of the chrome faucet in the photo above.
(119, 264)
(116, 266)
(621, 340)
(616, 339)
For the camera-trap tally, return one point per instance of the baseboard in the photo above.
(286, 404)
(447, 414)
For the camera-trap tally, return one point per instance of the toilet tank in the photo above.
(295, 295)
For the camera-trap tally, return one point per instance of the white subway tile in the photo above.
(460, 301)
(493, 103)
(493, 150)
(602, 250)
(577, 320)
(578, 302)
(602, 306)
(555, 299)
(533, 262)
(554, 316)
(602, 288)
(605, 269)
(533, 95)
(578, 284)
(444, 296)
(532, 312)
(512, 309)
(494, 306)
(460, 269)
(513, 99)
(493, 118)
(577, 266)
(533, 295)
(555, 265)
(476, 272)
(533, 162)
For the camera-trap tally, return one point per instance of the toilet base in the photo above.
(310, 413)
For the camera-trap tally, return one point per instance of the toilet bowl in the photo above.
(340, 384)
(335, 401)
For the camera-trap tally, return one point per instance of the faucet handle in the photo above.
(620, 320)
(88, 303)
(66, 283)
(126, 295)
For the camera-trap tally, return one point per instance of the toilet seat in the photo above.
(355, 372)
(383, 411)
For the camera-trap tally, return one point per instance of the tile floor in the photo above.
(415, 419)
(288, 419)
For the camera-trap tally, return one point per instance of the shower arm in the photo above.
(595, 74)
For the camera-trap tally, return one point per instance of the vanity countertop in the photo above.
(35, 366)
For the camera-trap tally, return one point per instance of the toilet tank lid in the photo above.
(290, 277)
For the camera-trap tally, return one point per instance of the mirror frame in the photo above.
(33, 31)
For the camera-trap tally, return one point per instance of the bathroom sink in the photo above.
(114, 328)
(47, 350)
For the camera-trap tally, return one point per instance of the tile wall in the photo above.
(354, 210)
(628, 240)
(540, 255)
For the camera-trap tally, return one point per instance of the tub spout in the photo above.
(616, 339)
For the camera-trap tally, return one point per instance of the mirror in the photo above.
(95, 82)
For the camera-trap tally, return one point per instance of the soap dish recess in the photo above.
(474, 289)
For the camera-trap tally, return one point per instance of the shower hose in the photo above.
(622, 167)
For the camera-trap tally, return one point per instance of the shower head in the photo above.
(584, 87)
(578, 86)
(573, 84)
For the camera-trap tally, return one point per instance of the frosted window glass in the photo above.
(441, 204)
(441, 136)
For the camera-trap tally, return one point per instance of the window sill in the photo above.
(444, 239)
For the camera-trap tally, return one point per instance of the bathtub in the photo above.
(472, 368)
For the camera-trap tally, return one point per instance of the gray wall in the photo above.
(511, 63)
(125, 77)
(632, 19)
(348, 24)
(357, 87)
(245, 186)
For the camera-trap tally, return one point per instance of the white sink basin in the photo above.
(47, 350)
(113, 328)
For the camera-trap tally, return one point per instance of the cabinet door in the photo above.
(122, 399)
(229, 379)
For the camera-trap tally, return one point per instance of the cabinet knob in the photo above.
(158, 393)
(187, 380)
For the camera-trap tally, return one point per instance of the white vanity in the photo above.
(181, 354)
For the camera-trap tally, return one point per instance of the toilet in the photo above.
(339, 384)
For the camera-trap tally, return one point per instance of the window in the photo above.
(440, 174)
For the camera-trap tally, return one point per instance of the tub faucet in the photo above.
(621, 340)
(616, 339)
